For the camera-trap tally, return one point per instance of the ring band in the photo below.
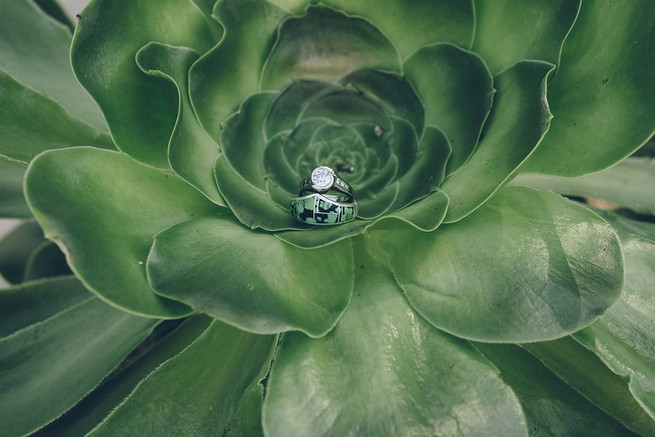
(321, 209)
(324, 179)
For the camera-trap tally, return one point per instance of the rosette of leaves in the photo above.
(453, 305)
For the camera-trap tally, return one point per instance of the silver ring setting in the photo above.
(323, 179)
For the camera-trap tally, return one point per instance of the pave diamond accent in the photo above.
(322, 178)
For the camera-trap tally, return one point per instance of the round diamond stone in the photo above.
(322, 178)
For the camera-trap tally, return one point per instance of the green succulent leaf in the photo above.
(199, 391)
(34, 52)
(344, 44)
(442, 20)
(556, 267)
(385, 371)
(46, 261)
(628, 184)
(12, 201)
(16, 248)
(33, 123)
(507, 32)
(141, 110)
(583, 371)
(39, 362)
(103, 209)
(36, 301)
(54, 9)
(456, 88)
(622, 337)
(602, 95)
(221, 79)
(163, 344)
(191, 152)
(250, 279)
(551, 407)
(517, 122)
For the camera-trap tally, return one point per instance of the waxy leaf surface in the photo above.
(526, 266)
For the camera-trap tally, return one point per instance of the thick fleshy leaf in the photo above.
(46, 261)
(518, 121)
(198, 391)
(163, 344)
(385, 371)
(140, 109)
(551, 407)
(623, 336)
(602, 96)
(253, 207)
(103, 209)
(12, 201)
(456, 88)
(221, 80)
(526, 266)
(54, 9)
(33, 302)
(191, 152)
(39, 362)
(34, 51)
(507, 31)
(31, 123)
(410, 26)
(344, 44)
(252, 280)
(628, 184)
(584, 371)
(16, 248)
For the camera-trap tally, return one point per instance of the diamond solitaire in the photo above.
(322, 178)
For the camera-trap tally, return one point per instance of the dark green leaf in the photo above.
(252, 280)
(34, 51)
(526, 266)
(518, 121)
(507, 31)
(628, 184)
(16, 248)
(95, 407)
(385, 371)
(344, 44)
(198, 391)
(623, 336)
(12, 202)
(140, 109)
(223, 78)
(191, 152)
(583, 371)
(47, 367)
(411, 25)
(32, 302)
(456, 88)
(31, 123)
(103, 209)
(602, 96)
(551, 407)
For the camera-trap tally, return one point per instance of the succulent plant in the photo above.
(161, 285)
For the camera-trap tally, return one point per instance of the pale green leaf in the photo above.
(198, 391)
(385, 371)
(526, 266)
(37, 364)
(251, 279)
(103, 209)
(602, 95)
